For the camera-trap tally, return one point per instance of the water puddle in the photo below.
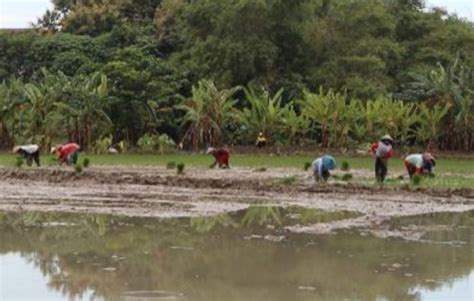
(245, 255)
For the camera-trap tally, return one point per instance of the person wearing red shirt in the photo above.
(67, 153)
(221, 156)
(383, 151)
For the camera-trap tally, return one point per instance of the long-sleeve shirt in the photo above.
(382, 150)
(67, 150)
(29, 149)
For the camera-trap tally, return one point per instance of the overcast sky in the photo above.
(19, 13)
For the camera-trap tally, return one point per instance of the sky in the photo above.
(19, 13)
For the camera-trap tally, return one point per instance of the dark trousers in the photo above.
(380, 169)
(32, 157)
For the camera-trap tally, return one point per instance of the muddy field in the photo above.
(158, 192)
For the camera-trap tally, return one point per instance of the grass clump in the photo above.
(86, 162)
(261, 169)
(345, 166)
(78, 168)
(307, 166)
(180, 168)
(347, 177)
(416, 180)
(19, 162)
(171, 165)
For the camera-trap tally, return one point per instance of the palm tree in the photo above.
(207, 113)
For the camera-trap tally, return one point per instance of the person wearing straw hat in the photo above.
(383, 151)
(67, 153)
(420, 164)
(322, 166)
(30, 152)
(261, 141)
(221, 156)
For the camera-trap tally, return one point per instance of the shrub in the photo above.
(345, 166)
(86, 162)
(151, 142)
(171, 165)
(347, 177)
(19, 162)
(180, 168)
(101, 146)
(78, 168)
(307, 166)
(416, 180)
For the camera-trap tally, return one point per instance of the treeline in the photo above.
(134, 68)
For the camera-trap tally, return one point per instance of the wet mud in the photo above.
(157, 192)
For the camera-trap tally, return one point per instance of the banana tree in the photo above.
(264, 114)
(207, 113)
(430, 123)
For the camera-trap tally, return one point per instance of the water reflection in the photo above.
(115, 258)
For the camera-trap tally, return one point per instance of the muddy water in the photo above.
(246, 255)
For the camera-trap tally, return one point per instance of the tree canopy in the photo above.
(154, 51)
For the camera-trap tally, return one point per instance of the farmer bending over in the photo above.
(322, 166)
(29, 152)
(261, 141)
(383, 150)
(67, 153)
(221, 156)
(419, 164)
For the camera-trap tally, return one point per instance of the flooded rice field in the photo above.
(242, 255)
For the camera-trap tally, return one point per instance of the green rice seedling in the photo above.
(171, 165)
(345, 166)
(289, 180)
(307, 166)
(19, 162)
(416, 180)
(86, 162)
(78, 168)
(180, 168)
(347, 177)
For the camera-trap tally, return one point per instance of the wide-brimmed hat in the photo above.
(387, 137)
(210, 150)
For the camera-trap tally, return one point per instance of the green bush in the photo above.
(416, 180)
(180, 168)
(307, 166)
(401, 178)
(19, 162)
(78, 168)
(347, 177)
(151, 142)
(86, 162)
(101, 146)
(345, 166)
(171, 165)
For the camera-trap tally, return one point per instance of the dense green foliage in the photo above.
(127, 68)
